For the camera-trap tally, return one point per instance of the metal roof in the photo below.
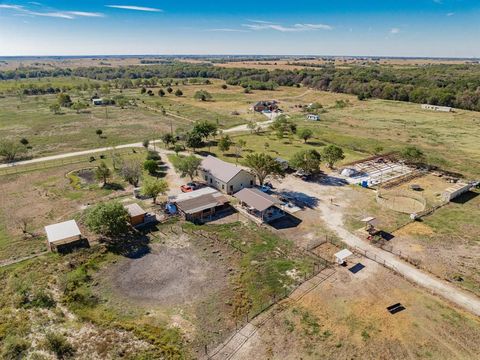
(62, 231)
(219, 169)
(194, 194)
(200, 203)
(134, 210)
(343, 254)
(256, 199)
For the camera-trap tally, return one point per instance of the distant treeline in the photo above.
(447, 85)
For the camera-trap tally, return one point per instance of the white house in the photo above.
(224, 176)
(313, 117)
(437, 108)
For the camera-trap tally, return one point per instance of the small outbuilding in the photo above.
(63, 235)
(342, 256)
(136, 214)
(262, 206)
(456, 190)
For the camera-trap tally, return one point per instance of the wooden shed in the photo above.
(62, 235)
(136, 214)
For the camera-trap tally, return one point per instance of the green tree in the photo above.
(205, 129)
(178, 92)
(202, 95)
(79, 106)
(224, 86)
(307, 161)
(131, 172)
(24, 141)
(145, 143)
(168, 139)
(187, 166)
(103, 173)
(10, 150)
(151, 166)
(161, 93)
(55, 108)
(99, 132)
(14, 347)
(177, 148)
(64, 100)
(224, 143)
(193, 141)
(332, 154)
(305, 134)
(169, 90)
(107, 218)
(154, 187)
(143, 90)
(412, 154)
(262, 166)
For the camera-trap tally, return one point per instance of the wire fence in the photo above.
(42, 165)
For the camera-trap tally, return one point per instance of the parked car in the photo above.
(189, 187)
(265, 188)
(302, 174)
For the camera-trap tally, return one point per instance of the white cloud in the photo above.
(395, 31)
(133, 7)
(450, 14)
(264, 25)
(23, 11)
(84, 13)
(226, 30)
(11, 7)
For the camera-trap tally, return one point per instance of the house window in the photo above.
(223, 187)
(206, 177)
(251, 182)
(231, 187)
(211, 181)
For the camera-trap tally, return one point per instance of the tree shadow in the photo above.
(316, 143)
(132, 245)
(205, 153)
(113, 186)
(328, 180)
(298, 198)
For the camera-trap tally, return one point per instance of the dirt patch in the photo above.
(414, 228)
(167, 276)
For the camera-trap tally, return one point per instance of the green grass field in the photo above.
(448, 139)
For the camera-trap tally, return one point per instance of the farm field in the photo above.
(360, 127)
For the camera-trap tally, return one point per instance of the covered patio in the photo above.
(259, 205)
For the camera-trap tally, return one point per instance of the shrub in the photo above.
(14, 348)
(59, 345)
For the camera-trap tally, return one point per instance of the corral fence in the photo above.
(13, 168)
(382, 198)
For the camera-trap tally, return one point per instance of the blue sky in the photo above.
(441, 28)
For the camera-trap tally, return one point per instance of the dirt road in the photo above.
(332, 215)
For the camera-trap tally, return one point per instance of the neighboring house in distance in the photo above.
(437, 108)
(224, 176)
(265, 106)
(97, 101)
(313, 117)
